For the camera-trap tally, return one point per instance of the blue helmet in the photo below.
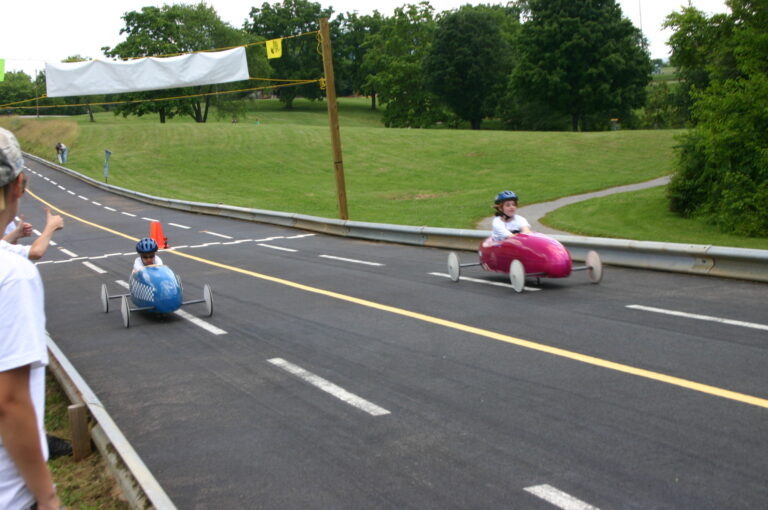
(506, 195)
(146, 245)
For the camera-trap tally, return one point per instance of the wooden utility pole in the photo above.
(333, 117)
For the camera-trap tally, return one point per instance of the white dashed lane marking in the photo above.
(216, 234)
(277, 248)
(484, 282)
(354, 261)
(686, 315)
(329, 387)
(558, 498)
(94, 267)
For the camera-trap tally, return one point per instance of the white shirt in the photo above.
(22, 342)
(503, 229)
(138, 264)
(19, 249)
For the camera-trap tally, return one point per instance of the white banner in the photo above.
(151, 73)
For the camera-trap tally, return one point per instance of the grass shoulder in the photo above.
(83, 485)
(642, 215)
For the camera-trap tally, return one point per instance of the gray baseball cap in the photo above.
(11, 158)
(11, 162)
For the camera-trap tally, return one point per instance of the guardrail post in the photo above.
(78, 428)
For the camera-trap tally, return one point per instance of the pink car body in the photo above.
(541, 255)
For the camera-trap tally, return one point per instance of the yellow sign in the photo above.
(274, 48)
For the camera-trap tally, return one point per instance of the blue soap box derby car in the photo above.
(155, 289)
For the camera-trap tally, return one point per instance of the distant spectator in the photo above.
(61, 153)
(25, 481)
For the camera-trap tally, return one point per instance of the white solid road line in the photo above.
(94, 267)
(753, 325)
(559, 498)
(277, 247)
(329, 387)
(354, 261)
(486, 282)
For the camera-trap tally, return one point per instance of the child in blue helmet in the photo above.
(147, 250)
(507, 223)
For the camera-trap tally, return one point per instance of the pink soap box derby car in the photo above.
(527, 255)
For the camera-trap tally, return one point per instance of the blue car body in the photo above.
(156, 288)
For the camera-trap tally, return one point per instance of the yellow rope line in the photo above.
(136, 101)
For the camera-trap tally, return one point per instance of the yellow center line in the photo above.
(555, 351)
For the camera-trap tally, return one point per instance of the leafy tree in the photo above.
(722, 168)
(349, 50)
(17, 86)
(394, 67)
(173, 29)
(581, 57)
(468, 63)
(300, 59)
(699, 47)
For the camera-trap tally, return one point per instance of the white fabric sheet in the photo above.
(151, 73)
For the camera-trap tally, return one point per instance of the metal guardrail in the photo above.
(741, 263)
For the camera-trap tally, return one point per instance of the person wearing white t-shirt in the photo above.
(507, 223)
(24, 476)
(147, 250)
(35, 251)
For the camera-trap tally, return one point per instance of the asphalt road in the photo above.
(345, 374)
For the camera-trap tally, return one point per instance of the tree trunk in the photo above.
(373, 101)
(475, 123)
(207, 105)
(90, 112)
(574, 121)
(162, 115)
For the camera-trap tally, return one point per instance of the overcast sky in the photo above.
(36, 31)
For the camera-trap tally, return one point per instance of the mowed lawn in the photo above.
(281, 160)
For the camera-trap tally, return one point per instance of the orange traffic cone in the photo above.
(156, 233)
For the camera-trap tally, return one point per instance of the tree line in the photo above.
(533, 64)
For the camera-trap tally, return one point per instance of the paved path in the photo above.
(533, 213)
